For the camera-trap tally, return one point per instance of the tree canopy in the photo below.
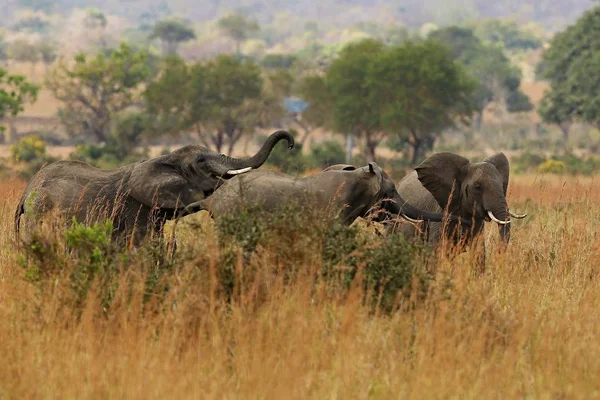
(221, 99)
(171, 33)
(498, 80)
(94, 90)
(238, 27)
(571, 66)
(418, 91)
(15, 90)
(414, 90)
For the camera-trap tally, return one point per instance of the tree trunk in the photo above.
(565, 127)
(416, 150)
(349, 147)
(478, 120)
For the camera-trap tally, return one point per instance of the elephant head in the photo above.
(192, 173)
(386, 201)
(472, 190)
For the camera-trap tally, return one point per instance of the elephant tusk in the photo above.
(410, 219)
(496, 220)
(517, 216)
(238, 171)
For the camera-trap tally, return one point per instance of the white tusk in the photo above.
(517, 216)
(496, 220)
(410, 219)
(238, 171)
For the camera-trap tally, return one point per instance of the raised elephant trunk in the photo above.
(225, 165)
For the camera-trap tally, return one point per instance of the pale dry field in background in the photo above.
(528, 328)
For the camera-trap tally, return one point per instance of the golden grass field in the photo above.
(527, 328)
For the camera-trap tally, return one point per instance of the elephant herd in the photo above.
(139, 198)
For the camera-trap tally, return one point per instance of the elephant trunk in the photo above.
(497, 210)
(224, 165)
(401, 207)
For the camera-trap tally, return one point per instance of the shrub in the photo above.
(85, 255)
(552, 167)
(527, 161)
(327, 153)
(29, 155)
(28, 149)
(295, 240)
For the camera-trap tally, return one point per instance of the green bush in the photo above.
(85, 255)
(29, 155)
(327, 153)
(28, 149)
(295, 239)
(526, 162)
(552, 167)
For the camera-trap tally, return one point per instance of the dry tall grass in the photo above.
(527, 328)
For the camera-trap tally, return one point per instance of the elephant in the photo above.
(138, 198)
(341, 191)
(473, 191)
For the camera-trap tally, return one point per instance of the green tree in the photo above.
(320, 104)
(15, 91)
(48, 53)
(167, 98)
(570, 65)
(171, 34)
(94, 90)
(22, 50)
(498, 80)
(418, 91)
(347, 81)
(239, 28)
(221, 94)
(32, 22)
(506, 34)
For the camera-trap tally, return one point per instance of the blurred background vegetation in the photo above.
(356, 81)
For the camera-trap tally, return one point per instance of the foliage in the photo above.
(497, 79)
(347, 81)
(327, 153)
(94, 90)
(35, 22)
(84, 257)
(28, 149)
(278, 61)
(389, 267)
(15, 90)
(171, 33)
(505, 33)
(166, 98)
(221, 99)
(22, 50)
(570, 65)
(552, 167)
(418, 92)
(29, 155)
(238, 27)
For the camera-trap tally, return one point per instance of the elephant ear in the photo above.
(158, 185)
(501, 163)
(375, 169)
(441, 175)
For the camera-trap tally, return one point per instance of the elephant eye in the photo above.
(200, 159)
(477, 186)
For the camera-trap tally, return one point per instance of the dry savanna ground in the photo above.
(528, 327)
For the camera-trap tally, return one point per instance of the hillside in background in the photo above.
(552, 15)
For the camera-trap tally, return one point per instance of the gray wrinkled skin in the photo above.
(341, 191)
(138, 198)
